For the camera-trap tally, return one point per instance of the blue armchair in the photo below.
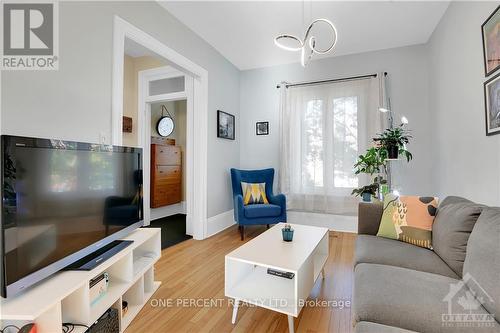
(258, 214)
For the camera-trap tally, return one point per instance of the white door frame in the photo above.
(196, 166)
(144, 102)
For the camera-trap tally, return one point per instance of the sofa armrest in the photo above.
(369, 216)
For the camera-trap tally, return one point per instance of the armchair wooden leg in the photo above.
(242, 232)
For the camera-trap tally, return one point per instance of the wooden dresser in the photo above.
(166, 175)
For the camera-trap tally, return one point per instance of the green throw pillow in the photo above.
(408, 219)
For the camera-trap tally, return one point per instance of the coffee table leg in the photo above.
(323, 273)
(235, 310)
(291, 328)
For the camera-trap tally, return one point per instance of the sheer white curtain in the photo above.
(323, 130)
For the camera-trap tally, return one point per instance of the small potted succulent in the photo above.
(366, 192)
(287, 232)
(393, 142)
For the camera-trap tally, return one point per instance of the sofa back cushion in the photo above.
(482, 262)
(451, 230)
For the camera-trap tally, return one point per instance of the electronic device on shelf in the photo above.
(275, 272)
(96, 258)
(98, 287)
(62, 201)
(124, 307)
(107, 323)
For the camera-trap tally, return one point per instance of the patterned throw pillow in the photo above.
(254, 193)
(409, 219)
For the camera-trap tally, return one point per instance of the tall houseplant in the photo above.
(371, 163)
(389, 145)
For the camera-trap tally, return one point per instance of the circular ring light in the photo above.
(307, 41)
(312, 40)
(279, 42)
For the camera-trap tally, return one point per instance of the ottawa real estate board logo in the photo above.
(30, 36)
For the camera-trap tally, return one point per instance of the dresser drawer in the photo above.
(163, 195)
(166, 155)
(166, 174)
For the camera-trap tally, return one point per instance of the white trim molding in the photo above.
(220, 222)
(197, 129)
(158, 213)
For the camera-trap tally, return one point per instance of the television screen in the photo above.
(60, 199)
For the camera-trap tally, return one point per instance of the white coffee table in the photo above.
(247, 280)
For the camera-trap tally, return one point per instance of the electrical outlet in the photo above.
(102, 138)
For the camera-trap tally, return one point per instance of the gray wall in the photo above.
(408, 70)
(74, 103)
(466, 162)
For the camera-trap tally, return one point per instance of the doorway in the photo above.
(157, 99)
(168, 211)
(196, 84)
(161, 89)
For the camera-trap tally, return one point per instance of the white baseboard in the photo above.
(158, 213)
(217, 223)
(332, 222)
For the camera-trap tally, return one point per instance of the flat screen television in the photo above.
(61, 201)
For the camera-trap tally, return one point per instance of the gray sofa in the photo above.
(399, 287)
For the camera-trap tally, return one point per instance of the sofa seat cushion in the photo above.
(368, 327)
(452, 227)
(411, 300)
(379, 250)
(262, 210)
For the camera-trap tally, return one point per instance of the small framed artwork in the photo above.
(225, 125)
(491, 42)
(492, 105)
(262, 128)
(127, 124)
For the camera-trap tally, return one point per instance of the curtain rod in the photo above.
(351, 78)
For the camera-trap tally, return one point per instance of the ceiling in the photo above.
(243, 31)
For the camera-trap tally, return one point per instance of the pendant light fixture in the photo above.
(307, 45)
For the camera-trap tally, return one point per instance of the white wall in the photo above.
(466, 161)
(408, 71)
(74, 103)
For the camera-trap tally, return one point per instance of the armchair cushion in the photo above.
(254, 193)
(262, 210)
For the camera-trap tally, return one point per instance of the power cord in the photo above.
(69, 327)
(4, 330)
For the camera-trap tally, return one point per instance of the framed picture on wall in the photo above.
(491, 42)
(492, 105)
(225, 125)
(262, 128)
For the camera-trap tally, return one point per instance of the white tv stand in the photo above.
(64, 297)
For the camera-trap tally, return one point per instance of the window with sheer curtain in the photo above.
(323, 130)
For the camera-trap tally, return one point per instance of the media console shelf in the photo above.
(65, 296)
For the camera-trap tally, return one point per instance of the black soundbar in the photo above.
(96, 258)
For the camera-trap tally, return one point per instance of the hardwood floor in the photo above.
(194, 270)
